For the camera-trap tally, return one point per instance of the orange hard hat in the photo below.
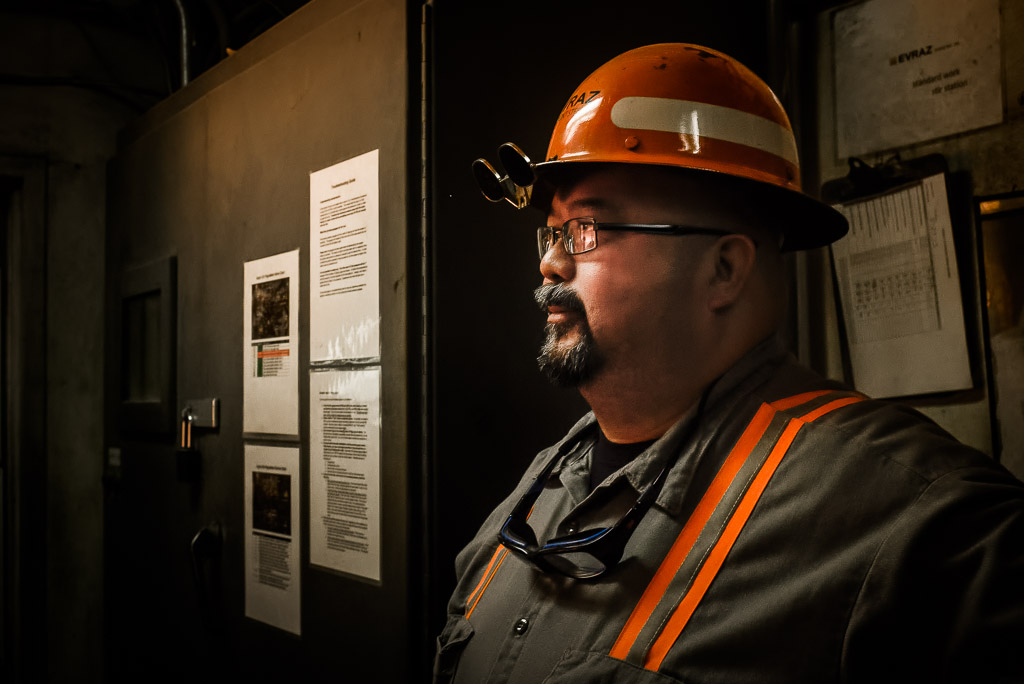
(688, 106)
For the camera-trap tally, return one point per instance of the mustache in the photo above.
(558, 295)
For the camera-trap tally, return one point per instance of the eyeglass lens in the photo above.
(545, 238)
(578, 236)
(579, 564)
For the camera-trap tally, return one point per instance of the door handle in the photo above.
(197, 414)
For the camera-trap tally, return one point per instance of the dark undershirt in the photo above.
(608, 457)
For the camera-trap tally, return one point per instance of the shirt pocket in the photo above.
(581, 666)
(450, 645)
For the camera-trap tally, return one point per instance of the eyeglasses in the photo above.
(582, 555)
(579, 235)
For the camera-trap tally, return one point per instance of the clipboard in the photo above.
(898, 279)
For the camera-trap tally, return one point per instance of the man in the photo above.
(723, 514)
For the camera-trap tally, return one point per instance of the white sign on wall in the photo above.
(273, 529)
(912, 70)
(344, 260)
(270, 347)
(344, 470)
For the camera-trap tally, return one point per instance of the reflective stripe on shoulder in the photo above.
(761, 434)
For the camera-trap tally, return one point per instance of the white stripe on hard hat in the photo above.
(699, 119)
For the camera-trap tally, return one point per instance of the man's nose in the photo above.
(557, 265)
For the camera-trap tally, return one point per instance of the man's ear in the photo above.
(735, 257)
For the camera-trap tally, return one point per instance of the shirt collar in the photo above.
(684, 441)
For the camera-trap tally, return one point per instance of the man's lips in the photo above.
(560, 314)
(561, 304)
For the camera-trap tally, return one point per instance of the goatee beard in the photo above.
(577, 364)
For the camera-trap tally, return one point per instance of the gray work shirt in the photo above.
(803, 534)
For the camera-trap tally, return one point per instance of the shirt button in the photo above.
(571, 527)
(521, 626)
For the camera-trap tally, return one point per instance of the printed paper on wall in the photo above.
(344, 260)
(344, 470)
(271, 343)
(272, 534)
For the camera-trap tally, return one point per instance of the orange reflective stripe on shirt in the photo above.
(796, 400)
(499, 555)
(691, 530)
(654, 592)
(682, 613)
(474, 598)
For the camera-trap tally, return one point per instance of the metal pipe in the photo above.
(428, 467)
(184, 42)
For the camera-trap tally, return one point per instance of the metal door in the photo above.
(216, 176)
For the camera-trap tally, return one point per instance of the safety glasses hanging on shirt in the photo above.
(582, 555)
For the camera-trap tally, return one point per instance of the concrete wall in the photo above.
(73, 129)
(991, 156)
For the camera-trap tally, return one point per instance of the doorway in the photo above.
(22, 415)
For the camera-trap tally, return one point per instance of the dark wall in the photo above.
(67, 84)
(502, 71)
(218, 175)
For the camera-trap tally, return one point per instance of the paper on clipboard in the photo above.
(900, 292)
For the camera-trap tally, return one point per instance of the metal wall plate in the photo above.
(205, 412)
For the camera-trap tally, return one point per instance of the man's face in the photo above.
(634, 301)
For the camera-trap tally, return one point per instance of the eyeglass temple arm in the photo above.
(661, 229)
